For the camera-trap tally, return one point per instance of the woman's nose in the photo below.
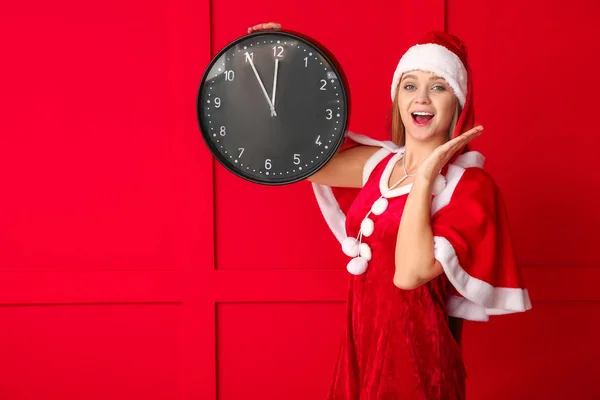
(423, 96)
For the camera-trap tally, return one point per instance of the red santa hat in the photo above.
(444, 55)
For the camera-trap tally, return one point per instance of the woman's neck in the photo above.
(415, 151)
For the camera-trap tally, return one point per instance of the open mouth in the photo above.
(422, 118)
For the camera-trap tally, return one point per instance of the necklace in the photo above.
(406, 174)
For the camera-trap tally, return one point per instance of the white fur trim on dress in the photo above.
(372, 163)
(330, 208)
(367, 141)
(443, 198)
(470, 159)
(459, 307)
(480, 299)
(437, 59)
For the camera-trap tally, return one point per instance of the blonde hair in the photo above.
(397, 128)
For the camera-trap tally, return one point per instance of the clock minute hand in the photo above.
(274, 85)
(249, 59)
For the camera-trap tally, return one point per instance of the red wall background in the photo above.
(134, 267)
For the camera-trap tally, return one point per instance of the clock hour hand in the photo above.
(274, 85)
(249, 59)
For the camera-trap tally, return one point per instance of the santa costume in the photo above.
(397, 343)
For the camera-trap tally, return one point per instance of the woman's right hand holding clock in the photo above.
(263, 27)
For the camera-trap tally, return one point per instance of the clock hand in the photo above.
(249, 59)
(274, 85)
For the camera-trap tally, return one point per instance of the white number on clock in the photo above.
(268, 163)
(241, 150)
(229, 75)
(297, 159)
(222, 131)
(330, 114)
(324, 84)
(318, 142)
(278, 51)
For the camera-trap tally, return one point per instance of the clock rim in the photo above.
(344, 91)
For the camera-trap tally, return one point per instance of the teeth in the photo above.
(421, 113)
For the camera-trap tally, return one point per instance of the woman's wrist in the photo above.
(424, 180)
(423, 184)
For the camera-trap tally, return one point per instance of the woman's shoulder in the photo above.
(474, 178)
(375, 164)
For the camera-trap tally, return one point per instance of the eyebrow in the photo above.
(411, 76)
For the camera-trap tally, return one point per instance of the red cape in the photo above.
(472, 239)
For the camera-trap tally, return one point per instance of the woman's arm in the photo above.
(415, 262)
(414, 258)
(345, 169)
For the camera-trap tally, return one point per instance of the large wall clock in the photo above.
(273, 107)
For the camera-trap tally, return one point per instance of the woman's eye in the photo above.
(439, 88)
(409, 86)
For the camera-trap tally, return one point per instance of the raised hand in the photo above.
(430, 168)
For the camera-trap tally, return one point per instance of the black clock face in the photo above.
(273, 107)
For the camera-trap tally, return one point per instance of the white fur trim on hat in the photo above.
(437, 59)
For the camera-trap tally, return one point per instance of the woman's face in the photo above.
(427, 104)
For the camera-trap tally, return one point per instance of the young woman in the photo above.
(427, 234)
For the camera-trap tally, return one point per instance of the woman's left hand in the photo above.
(432, 165)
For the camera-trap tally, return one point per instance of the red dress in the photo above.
(397, 343)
